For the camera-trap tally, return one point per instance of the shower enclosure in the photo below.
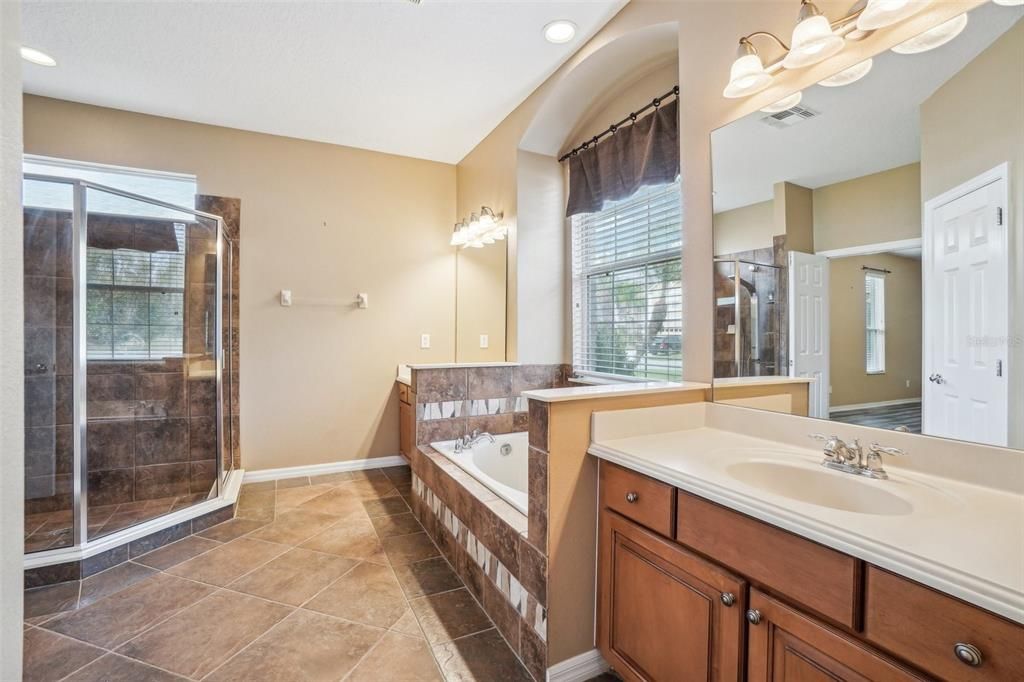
(128, 303)
(750, 319)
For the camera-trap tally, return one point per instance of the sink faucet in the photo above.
(852, 458)
(469, 440)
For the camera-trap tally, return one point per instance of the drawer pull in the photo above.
(968, 653)
(753, 616)
(632, 497)
(728, 598)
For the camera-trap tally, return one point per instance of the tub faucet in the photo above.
(469, 440)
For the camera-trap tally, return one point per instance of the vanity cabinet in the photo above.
(788, 646)
(406, 420)
(665, 613)
(675, 579)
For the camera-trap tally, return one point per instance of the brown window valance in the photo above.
(644, 153)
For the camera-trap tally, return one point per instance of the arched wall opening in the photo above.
(620, 77)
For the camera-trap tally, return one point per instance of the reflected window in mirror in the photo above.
(874, 322)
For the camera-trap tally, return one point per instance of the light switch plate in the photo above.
(485, 342)
(424, 340)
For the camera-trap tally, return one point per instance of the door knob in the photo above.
(936, 379)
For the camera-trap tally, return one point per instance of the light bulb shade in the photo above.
(1009, 3)
(784, 103)
(847, 76)
(813, 41)
(881, 13)
(933, 37)
(746, 77)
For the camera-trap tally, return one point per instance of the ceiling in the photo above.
(866, 127)
(427, 81)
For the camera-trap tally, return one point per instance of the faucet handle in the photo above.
(876, 449)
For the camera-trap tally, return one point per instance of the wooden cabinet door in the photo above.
(784, 645)
(406, 429)
(661, 612)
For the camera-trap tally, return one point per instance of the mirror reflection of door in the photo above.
(966, 312)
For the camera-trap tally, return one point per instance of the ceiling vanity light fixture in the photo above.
(847, 76)
(37, 57)
(1009, 3)
(816, 39)
(560, 31)
(881, 13)
(933, 38)
(480, 230)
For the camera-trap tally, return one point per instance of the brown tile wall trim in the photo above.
(487, 553)
(77, 570)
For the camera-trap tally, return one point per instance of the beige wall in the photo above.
(881, 207)
(326, 222)
(794, 216)
(12, 370)
(961, 138)
(851, 384)
(745, 228)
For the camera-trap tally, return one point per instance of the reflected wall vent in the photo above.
(789, 117)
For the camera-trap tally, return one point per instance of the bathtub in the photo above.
(504, 474)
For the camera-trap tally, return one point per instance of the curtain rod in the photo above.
(868, 267)
(654, 103)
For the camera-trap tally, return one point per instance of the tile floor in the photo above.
(329, 578)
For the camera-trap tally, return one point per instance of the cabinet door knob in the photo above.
(968, 654)
(753, 616)
(632, 497)
(728, 598)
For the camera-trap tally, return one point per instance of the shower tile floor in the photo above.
(329, 578)
(50, 530)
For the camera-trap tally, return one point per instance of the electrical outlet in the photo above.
(286, 297)
(424, 340)
(908, 383)
(485, 342)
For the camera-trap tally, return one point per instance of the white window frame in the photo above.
(874, 321)
(582, 331)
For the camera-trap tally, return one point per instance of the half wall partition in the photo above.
(127, 353)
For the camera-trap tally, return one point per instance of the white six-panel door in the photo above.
(966, 313)
(808, 326)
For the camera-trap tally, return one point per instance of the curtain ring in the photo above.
(632, 117)
(613, 128)
(675, 91)
(656, 102)
(595, 139)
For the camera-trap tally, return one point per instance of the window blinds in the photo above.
(627, 293)
(874, 322)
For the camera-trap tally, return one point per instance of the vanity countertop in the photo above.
(960, 535)
(587, 392)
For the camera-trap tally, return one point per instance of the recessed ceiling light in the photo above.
(30, 54)
(934, 37)
(560, 31)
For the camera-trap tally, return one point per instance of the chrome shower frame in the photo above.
(82, 547)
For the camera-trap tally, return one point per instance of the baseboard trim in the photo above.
(578, 668)
(328, 468)
(868, 406)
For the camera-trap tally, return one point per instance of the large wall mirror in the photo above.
(869, 242)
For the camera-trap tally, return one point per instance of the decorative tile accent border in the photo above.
(524, 603)
(450, 409)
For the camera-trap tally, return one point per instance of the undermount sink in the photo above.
(845, 492)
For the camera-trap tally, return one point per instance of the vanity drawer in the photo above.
(924, 626)
(640, 498)
(403, 392)
(822, 579)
